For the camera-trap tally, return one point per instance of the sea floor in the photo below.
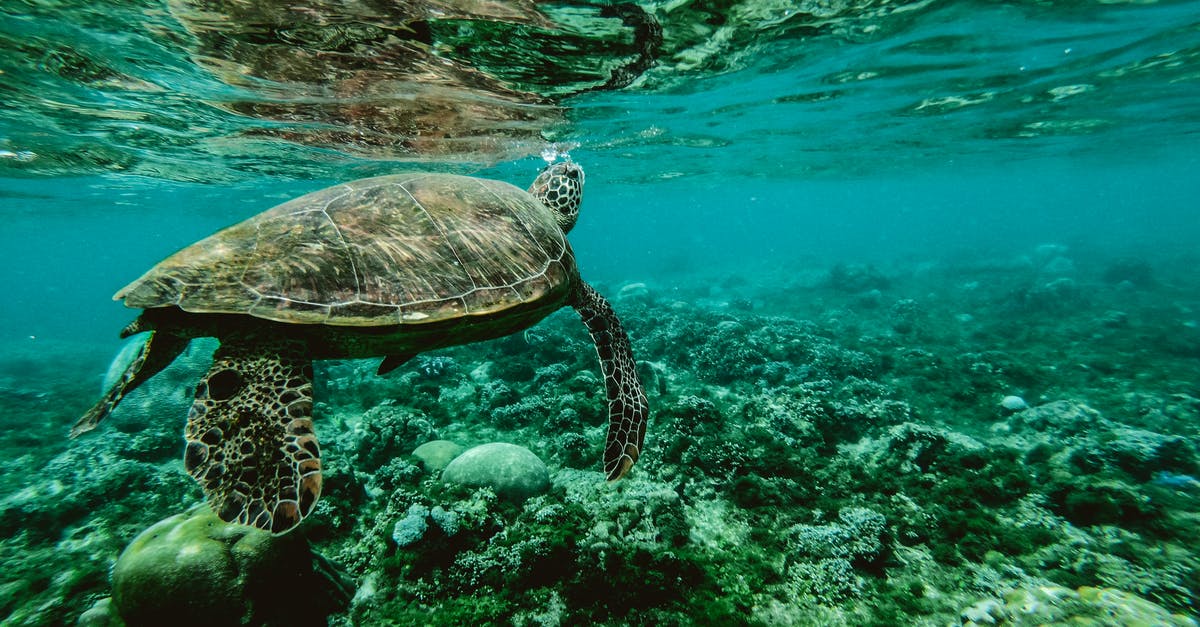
(826, 446)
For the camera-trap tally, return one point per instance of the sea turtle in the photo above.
(387, 266)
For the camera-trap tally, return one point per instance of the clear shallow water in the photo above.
(739, 154)
(75, 241)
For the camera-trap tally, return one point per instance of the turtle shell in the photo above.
(398, 249)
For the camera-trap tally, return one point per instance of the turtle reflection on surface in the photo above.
(363, 77)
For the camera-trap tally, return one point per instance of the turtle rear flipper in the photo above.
(250, 440)
(627, 407)
(160, 349)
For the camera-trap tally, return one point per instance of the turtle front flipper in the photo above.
(160, 349)
(391, 362)
(627, 407)
(250, 440)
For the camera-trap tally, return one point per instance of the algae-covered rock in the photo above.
(438, 454)
(195, 569)
(1059, 418)
(1143, 453)
(512, 471)
(857, 535)
(1055, 605)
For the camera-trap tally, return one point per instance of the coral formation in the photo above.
(195, 569)
(512, 471)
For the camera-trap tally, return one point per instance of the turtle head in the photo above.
(560, 187)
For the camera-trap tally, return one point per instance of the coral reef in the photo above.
(1006, 443)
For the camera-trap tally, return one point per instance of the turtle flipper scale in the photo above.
(250, 440)
(160, 349)
(627, 407)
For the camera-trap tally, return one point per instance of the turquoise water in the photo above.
(838, 233)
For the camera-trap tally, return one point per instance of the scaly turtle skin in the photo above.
(388, 266)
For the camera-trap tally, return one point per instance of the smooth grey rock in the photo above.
(1013, 404)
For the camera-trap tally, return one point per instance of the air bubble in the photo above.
(19, 155)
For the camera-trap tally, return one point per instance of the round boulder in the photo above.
(436, 455)
(512, 471)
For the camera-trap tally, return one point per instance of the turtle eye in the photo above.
(568, 170)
